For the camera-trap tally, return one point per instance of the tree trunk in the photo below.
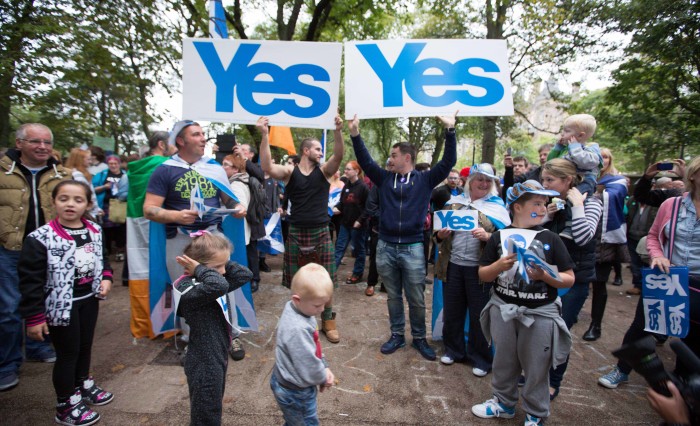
(495, 17)
(18, 35)
(488, 140)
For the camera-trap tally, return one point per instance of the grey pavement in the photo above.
(402, 388)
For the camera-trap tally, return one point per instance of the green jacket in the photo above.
(15, 193)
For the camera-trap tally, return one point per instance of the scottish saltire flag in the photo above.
(333, 199)
(272, 242)
(162, 311)
(613, 220)
(217, 20)
(197, 201)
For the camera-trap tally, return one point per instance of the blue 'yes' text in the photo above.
(241, 77)
(407, 69)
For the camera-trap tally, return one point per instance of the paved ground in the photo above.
(401, 388)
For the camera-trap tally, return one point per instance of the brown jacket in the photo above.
(15, 193)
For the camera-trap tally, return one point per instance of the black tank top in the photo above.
(309, 198)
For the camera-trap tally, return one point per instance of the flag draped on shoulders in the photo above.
(491, 206)
(137, 243)
(613, 220)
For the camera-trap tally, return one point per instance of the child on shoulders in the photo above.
(571, 146)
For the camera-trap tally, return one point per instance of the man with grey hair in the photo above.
(28, 175)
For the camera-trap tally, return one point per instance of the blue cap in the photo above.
(529, 186)
(177, 128)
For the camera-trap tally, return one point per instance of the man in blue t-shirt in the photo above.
(169, 191)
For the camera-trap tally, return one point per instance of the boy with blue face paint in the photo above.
(523, 318)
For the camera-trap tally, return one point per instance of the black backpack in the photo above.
(258, 208)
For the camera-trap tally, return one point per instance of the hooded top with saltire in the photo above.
(25, 197)
(404, 199)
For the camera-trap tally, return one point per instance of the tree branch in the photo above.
(531, 124)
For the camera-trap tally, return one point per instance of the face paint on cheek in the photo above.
(533, 215)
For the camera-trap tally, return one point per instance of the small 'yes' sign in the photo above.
(455, 220)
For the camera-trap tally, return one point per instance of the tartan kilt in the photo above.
(318, 237)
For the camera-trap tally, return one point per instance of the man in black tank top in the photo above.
(306, 187)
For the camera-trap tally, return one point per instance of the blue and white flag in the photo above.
(613, 220)
(666, 301)
(333, 199)
(217, 20)
(272, 242)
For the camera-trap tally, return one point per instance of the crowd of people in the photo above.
(573, 211)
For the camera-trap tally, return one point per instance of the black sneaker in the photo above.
(236, 350)
(264, 266)
(395, 342)
(75, 412)
(424, 348)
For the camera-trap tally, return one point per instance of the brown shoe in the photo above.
(353, 279)
(369, 291)
(634, 291)
(329, 329)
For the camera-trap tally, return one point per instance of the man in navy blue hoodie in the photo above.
(404, 195)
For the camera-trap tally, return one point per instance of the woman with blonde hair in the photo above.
(575, 219)
(608, 163)
(79, 161)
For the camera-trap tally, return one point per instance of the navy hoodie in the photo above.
(404, 199)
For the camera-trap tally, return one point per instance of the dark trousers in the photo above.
(462, 293)
(73, 344)
(636, 263)
(571, 304)
(600, 292)
(373, 276)
(253, 261)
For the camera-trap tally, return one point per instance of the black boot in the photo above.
(593, 333)
(263, 266)
(254, 285)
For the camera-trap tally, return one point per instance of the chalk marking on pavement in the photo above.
(345, 364)
(597, 352)
(442, 400)
(351, 391)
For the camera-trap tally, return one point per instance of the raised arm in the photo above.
(333, 164)
(275, 171)
(449, 158)
(369, 166)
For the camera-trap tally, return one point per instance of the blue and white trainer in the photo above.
(492, 408)
(531, 420)
(613, 379)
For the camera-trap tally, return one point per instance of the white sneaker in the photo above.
(492, 408)
(478, 372)
(447, 360)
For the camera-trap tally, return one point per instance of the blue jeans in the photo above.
(11, 326)
(358, 237)
(401, 268)
(298, 406)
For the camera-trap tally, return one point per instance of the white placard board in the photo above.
(456, 220)
(295, 84)
(419, 78)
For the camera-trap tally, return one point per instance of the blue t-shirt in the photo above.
(174, 184)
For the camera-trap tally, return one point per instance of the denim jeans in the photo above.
(401, 268)
(358, 237)
(11, 326)
(298, 406)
